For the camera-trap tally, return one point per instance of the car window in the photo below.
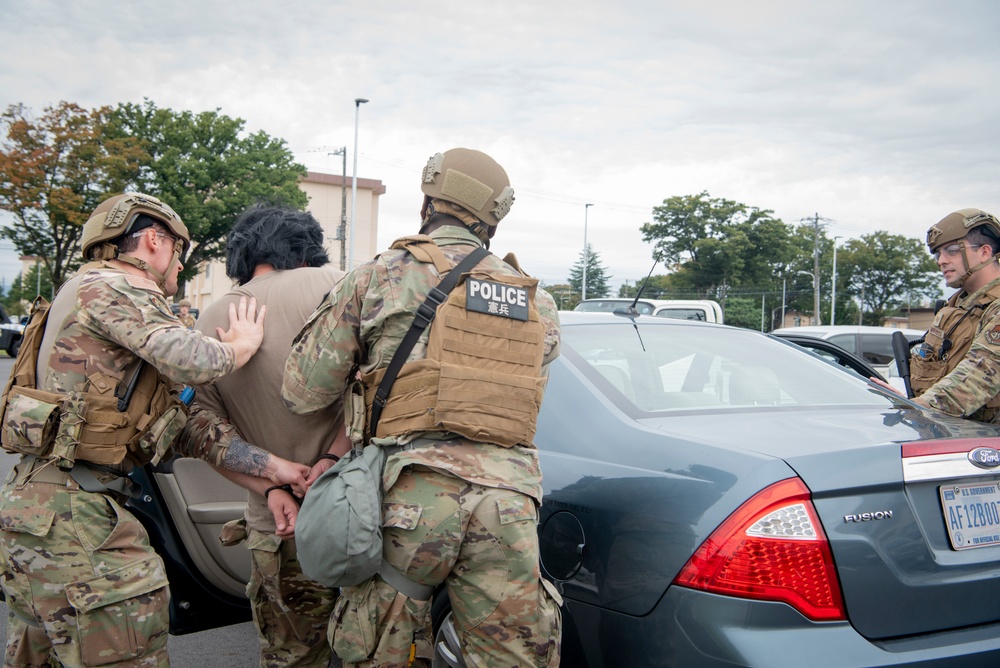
(877, 348)
(681, 314)
(664, 368)
(848, 342)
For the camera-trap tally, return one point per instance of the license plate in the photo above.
(972, 514)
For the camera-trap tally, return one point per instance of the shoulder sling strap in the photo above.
(425, 314)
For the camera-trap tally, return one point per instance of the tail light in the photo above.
(772, 548)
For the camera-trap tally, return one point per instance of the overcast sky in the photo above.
(873, 115)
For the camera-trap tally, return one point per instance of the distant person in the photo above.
(82, 584)
(462, 479)
(956, 369)
(184, 313)
(276, 256)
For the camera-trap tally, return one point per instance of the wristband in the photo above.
(327, 455)
(285, 488)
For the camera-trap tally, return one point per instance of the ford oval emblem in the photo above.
(985, 458)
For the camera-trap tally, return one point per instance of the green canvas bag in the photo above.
(338, 533)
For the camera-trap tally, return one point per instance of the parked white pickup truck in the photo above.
(682, 309)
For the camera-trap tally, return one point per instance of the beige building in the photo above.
(329, 195)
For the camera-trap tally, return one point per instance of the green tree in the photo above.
(742, 312)
(54, 170)
(884, 270)
(26, 287)
(566, 299)
(597, 275)
(711, 244)
(209, 170)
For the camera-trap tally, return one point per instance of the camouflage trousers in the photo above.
(83, 585)
(482, 543)
(290, 610)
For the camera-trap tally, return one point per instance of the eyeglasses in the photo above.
(158, 233)
(953, 249)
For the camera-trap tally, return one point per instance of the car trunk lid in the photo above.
(887, 508)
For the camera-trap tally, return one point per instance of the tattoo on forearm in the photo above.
(243, 457)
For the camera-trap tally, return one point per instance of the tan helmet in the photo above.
(472, 180)
(184, 302)
(956, 225)
(116, 216)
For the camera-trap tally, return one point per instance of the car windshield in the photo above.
(674, 368)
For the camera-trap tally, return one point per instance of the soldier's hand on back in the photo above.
(246, 329)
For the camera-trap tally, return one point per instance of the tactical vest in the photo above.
(949, 339)
(481, 378)
(94, 425)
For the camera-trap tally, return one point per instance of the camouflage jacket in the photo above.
(108, 319)
(361, 324)
(965, 391)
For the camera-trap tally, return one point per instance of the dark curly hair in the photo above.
(282, 237)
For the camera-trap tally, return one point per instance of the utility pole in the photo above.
(819, 319)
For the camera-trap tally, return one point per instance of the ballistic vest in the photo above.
(949, 339)
(481, 378)
(95, 425)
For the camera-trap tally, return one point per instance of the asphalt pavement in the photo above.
(227, 647)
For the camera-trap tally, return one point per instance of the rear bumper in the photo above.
(692, 628)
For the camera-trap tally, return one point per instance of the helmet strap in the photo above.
(960, 281)
(161, 279)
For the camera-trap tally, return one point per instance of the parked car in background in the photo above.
(713, 497)
(702, 310)
(11, 332)
(874, 344)
(832, 353)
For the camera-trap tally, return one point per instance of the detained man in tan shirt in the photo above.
(275, 255)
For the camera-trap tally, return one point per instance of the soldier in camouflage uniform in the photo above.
(184, 313)
(457, 511)
(956, 369)
(82, 584)
(275, 255)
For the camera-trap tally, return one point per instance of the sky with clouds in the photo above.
(873, 115)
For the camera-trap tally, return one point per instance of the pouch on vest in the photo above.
(30, 421)
(338, 533)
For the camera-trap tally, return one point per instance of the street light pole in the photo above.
(586, 208)
(833, 286)
(354, 178)
(342, 228)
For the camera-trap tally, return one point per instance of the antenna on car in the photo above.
(631, 310)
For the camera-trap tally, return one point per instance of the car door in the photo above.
(184, 503)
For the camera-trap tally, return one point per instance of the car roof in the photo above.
(595, 317)
(822, 331)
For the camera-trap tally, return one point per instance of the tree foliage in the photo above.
(743, 312)
(711, 242)
(26, 286)
(208, 170)
(885, 270)
(597, 275)
(54, 170)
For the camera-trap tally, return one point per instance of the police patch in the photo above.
(993, 336)
(507, 301)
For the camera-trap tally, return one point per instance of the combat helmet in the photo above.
(472, 180)
(954, 227)
(118, 216)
